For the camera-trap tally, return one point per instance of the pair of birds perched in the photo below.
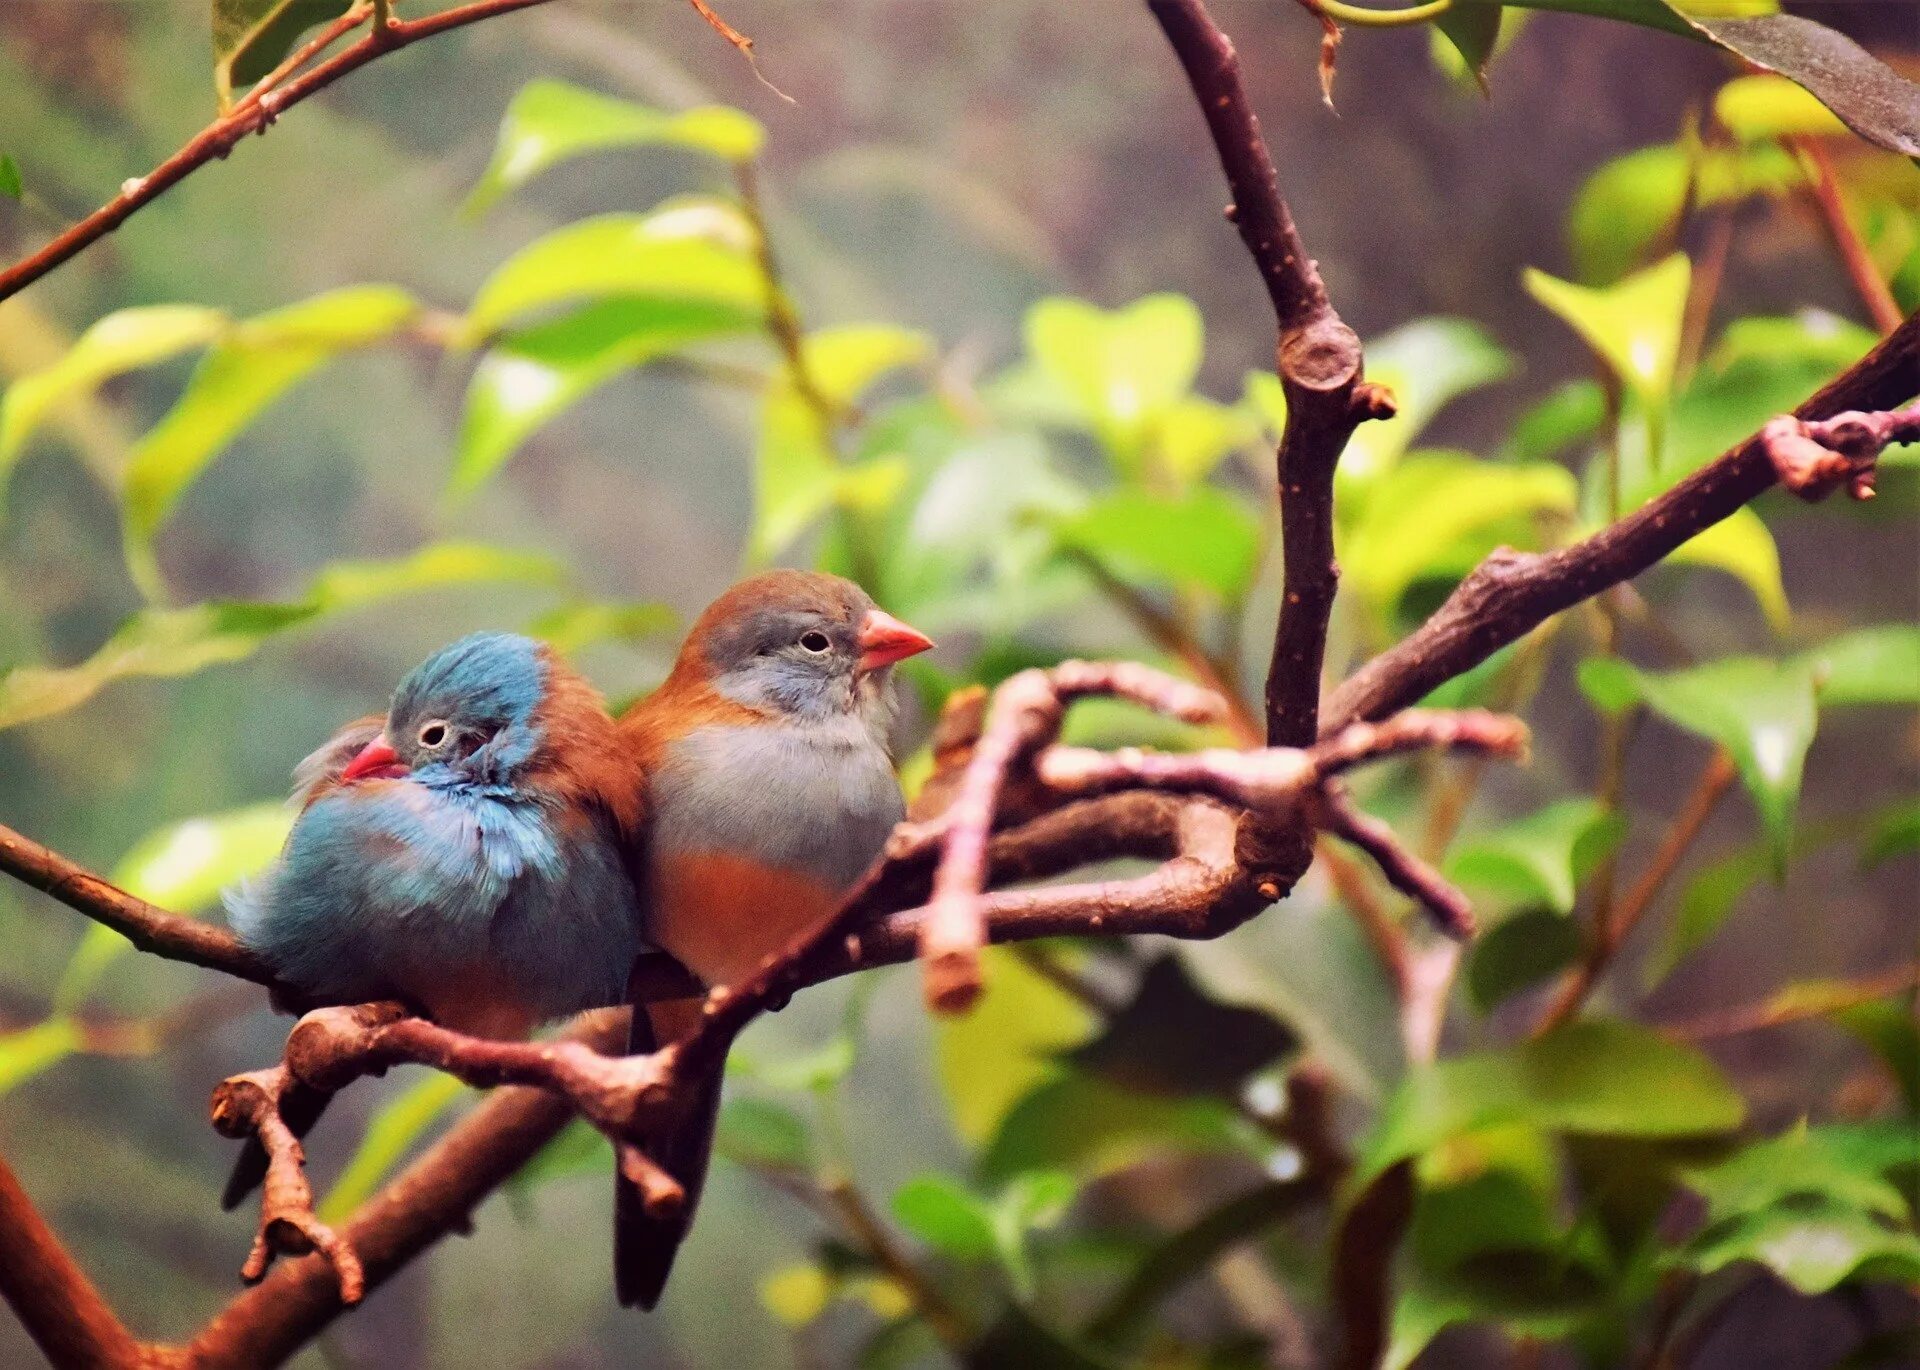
(497, 849)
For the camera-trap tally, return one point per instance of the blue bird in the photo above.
(462, 855)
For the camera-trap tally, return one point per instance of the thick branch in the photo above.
(1318, 359)
(52, 1296)
(430, 1198)
(148, 928)
(1511, 593)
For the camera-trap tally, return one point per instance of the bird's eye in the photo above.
(433, 734)
(816, 641)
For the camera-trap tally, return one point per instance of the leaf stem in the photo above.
(1361, 17)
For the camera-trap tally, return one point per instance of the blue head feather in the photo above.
(486, 689)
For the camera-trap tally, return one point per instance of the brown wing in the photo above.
(320, 771)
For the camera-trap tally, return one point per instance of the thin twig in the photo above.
(1610, 936)
(149, 928)
(252, 115)
(1865, 277)
(1778, 1010)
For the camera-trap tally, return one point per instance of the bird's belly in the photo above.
(721, 915)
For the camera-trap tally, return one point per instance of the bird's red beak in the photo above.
(884, 640)
(375, 761)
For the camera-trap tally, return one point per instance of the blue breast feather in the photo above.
(392, 886)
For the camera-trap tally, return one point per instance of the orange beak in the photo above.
(884, 640)
(375, 761)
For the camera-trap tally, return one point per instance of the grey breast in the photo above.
(818, 797)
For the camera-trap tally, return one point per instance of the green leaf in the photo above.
(1800, 1163)
(1519, 952)
(1569, 414)
(994, 1055)
(31, 1050)
(1634, 201)
(1878, 665)
(1438, 513)
(1762, 108)
(552, 121)
(123, 341)
(570, 628)
(1092, 1127)
(754, 1132)
(1172, 1037)
(1594, 1075)
(1427, 364)
(391, 1133)
(245, 371)
(10, 184)
(1761, 711)
(1894, 831)
(1706, 902)
(1117, 371)
(175, 642)
(1888, 1029)
(1205, 538)
(1539, 861)
(1868, 95)
(1742, 546)
(531, 375)
(1633, 325)
(250, 37)
(1813, 1247)
(694, 250)
(181, 867)
(1472, 31)
(797, 474)
(946, 1217)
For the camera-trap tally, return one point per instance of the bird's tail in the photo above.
(300, 1107)
(644, 1246)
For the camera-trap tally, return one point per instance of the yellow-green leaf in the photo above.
(174, 642)
(245, 371)
(551, 121)
(1633, 325)
(250, 37)
(796, 1294)
(1763, 107)
(1743, 547)
(391, 1132)
(571, 627)
(1437, 513)
(797, 474)
(695, 249)
(24, 1054)
(1426, 364)
(1120, 369)
(1008, 1044)
(181, 867)
(123, 341)
(530, 376)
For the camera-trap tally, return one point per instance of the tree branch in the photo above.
(1318, 359)
(254, 114)
(1511, 593)
(148, 928)
(57, 1303)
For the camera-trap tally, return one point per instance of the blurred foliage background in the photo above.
(398, 371)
